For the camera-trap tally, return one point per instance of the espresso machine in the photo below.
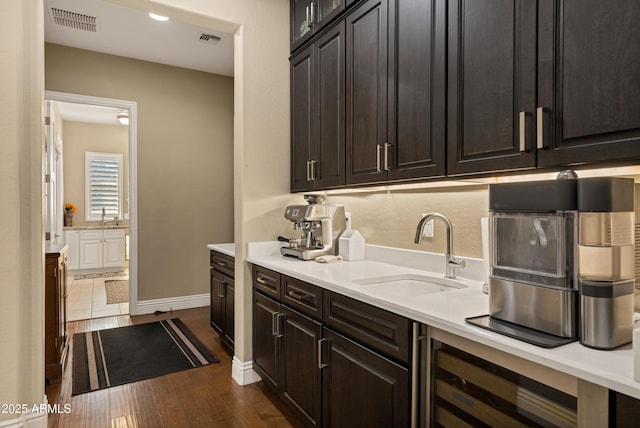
(320, 226)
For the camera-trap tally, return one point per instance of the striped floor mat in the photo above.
(116, 356)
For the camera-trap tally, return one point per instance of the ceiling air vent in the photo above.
(209, 38)
(70, 19)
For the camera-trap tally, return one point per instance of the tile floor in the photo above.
(88, 299)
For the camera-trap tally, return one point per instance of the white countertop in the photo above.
(120, 226)
(447, 310)
(228, 248)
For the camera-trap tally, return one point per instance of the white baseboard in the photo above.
(243, 373)
(172, 304)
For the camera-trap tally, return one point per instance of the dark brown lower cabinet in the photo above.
(222, 298)
(624, 411)
(222, 312)
(55, 313)
(286, 356)
(301, 376)
(325, 377)
(362, 388)
(265, 341)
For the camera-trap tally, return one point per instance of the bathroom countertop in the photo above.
(120, 226)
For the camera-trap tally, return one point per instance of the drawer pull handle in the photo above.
(296, 295)
(223, 264)
(263, 281)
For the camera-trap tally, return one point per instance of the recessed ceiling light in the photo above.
(159, 17)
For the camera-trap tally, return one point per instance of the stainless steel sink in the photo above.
(409, 285)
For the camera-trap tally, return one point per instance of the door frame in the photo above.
(132, 106)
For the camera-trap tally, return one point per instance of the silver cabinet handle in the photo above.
(386, 156)
(223, 291)
(540, 111)
(313, 169)
(274, 324)
(308, 170)
(308, 18)
(378, 148)
(523, 118)
(313, 17)
(321, 365)
(279, 333)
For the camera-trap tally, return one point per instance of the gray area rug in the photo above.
(117, 291)
(99, 275)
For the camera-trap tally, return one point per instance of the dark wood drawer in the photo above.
(304, 297)
(266, 281)
(376, 328)
(223, 263)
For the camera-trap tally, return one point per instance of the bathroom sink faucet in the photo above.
(451, 262)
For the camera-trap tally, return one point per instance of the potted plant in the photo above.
(69, 209)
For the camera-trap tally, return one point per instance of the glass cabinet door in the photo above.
(327, 9)
(308, 16)
(301, 21)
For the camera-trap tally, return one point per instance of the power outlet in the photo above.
(428, 228)
(347, 218)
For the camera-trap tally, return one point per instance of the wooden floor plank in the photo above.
(201, 397)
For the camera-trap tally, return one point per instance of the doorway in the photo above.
(128, 108)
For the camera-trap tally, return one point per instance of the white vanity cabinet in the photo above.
(93, 249)
(72, 239)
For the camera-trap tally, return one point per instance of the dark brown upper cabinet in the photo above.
(491, 91)
(549, 85)
(396, 91)
(589, 82)
(417, 97)
(310, 16)
(366, 85)
(318, 113)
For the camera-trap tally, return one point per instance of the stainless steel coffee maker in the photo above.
(320, 226)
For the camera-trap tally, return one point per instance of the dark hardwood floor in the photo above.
(201, 397)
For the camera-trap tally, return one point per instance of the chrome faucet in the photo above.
(102, 221)
(451, 262)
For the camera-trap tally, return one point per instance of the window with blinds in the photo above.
(103, 185)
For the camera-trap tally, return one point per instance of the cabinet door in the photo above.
(113, 252)
(326, 10)
(301, 120)
(229, 301)
(589, 81)
(62, 305)
(72, 239)
(491, 86)
(328, 155)
(366, 89)
(217, 302)
(417, 97)
(301, 378)
(361, 388)
(301, 22)
(265, 339)
(90, 254)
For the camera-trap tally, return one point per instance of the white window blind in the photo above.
(103, 184)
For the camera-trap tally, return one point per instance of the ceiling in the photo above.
(132, 33)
